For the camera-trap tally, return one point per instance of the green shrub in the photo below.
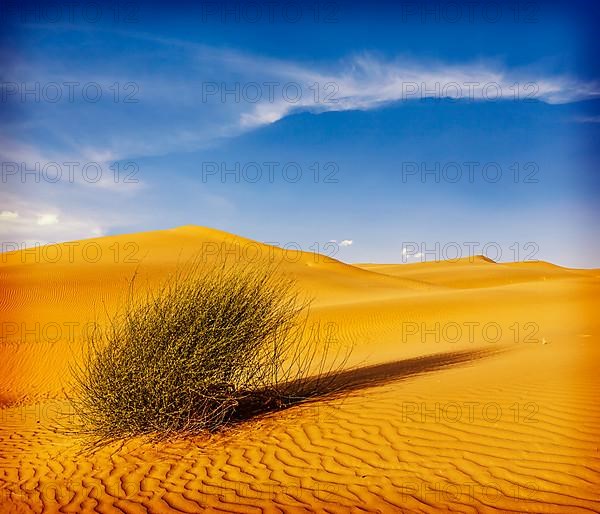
(207, 348)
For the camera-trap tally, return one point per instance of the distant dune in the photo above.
(472, 387)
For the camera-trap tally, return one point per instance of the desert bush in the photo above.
(208, 347)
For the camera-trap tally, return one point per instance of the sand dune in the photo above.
(477, 271)
(472, 387)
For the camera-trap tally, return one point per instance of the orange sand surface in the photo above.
(472, 386)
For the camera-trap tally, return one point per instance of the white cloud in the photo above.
(343, 242)
(42, 221)
(32, 228)
(47, 219)
(365, 82)
(407, 255)
(8, 215)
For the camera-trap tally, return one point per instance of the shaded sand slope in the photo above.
(472, 387)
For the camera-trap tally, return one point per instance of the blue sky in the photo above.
(380, 126)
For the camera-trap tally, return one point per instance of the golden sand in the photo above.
(472, 387)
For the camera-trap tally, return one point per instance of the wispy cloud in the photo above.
(588, 119)
(25, 162)
(366, 82)
(206, 94)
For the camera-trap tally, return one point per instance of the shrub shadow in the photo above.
(344, 382)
